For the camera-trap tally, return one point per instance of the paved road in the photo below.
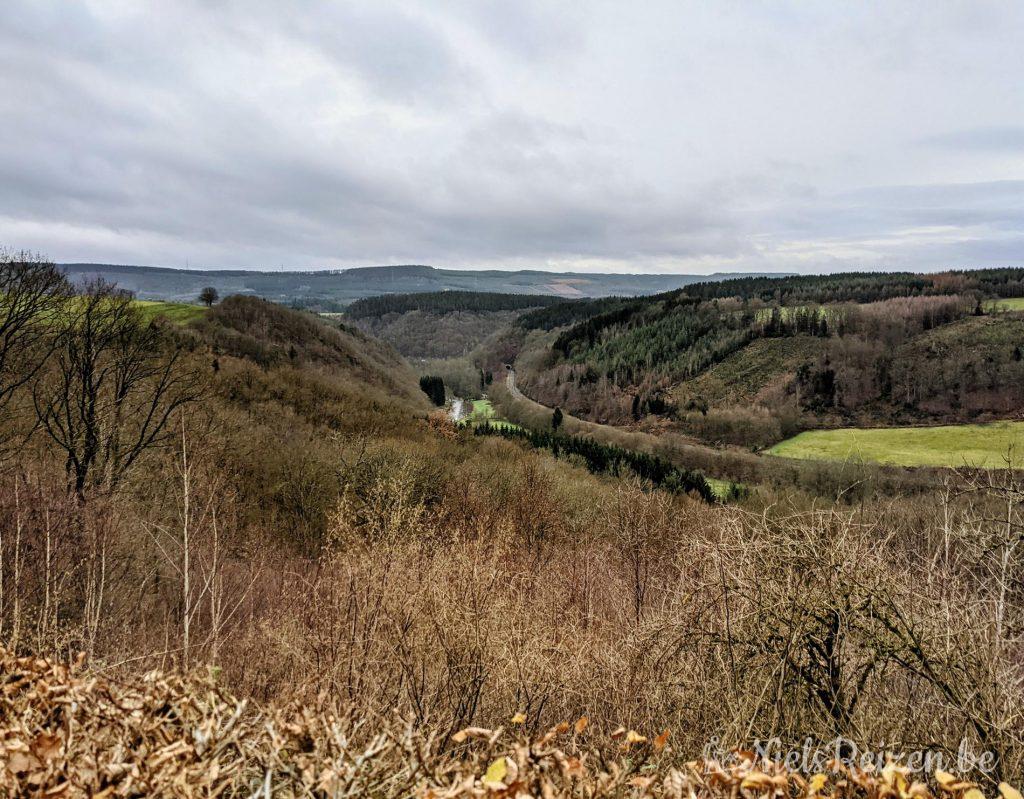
(457, 409)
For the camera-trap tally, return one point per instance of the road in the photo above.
(510, 381)
(458, 405)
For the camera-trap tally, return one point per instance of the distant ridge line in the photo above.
(84, 266)
(334, 289)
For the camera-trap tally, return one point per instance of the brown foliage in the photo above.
(71, 732)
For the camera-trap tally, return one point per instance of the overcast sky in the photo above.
(658, 136)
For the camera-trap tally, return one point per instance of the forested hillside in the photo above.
(860, 347)
(443, 302)
(443, 324)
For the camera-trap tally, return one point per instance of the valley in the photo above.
(288, 496)
(511, 400)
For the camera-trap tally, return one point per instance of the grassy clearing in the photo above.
(723, 488)
(1010, 304)
(483, 411)
(742, 376)
(979, 445)
(178, 312)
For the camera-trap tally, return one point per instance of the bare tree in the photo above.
(32, 290)
(208, 296)
(115, 385)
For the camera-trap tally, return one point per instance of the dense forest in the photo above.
(569, 312)
(443, 302)
(441, 324)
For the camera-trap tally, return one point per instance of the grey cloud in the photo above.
(669, 136)
(1001, 139)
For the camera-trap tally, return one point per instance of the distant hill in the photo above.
(333, 290)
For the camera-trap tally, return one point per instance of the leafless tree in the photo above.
(114, 387)
(32, 290)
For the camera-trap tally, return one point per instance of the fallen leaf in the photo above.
(46, 746)
(496, 774)
(944, 778)
(19, 763)
(633, 737)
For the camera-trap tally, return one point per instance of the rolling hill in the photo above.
(749, 361)
(331, 290)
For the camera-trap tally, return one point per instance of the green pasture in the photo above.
(1010, 304)
(483, 411)
(979, 445)
(179, 312)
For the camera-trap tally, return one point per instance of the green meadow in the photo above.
(179, 312)
(1010, 304)
(979, 445)
(483, 411)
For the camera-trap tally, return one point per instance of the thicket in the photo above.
(419, 335)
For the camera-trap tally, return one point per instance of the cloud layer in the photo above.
(660, 136)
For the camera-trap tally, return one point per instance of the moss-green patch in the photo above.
(979, 445)
(483, 411)
(1010, 304)
(179, 312)
(724, 489)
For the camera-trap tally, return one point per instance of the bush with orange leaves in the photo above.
(67, 732)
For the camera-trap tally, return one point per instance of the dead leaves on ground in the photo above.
(67, 733)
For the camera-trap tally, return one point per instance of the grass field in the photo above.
(179, 312)
(483, 411)
(723, 488)
(1011, 303)
(980, 445)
